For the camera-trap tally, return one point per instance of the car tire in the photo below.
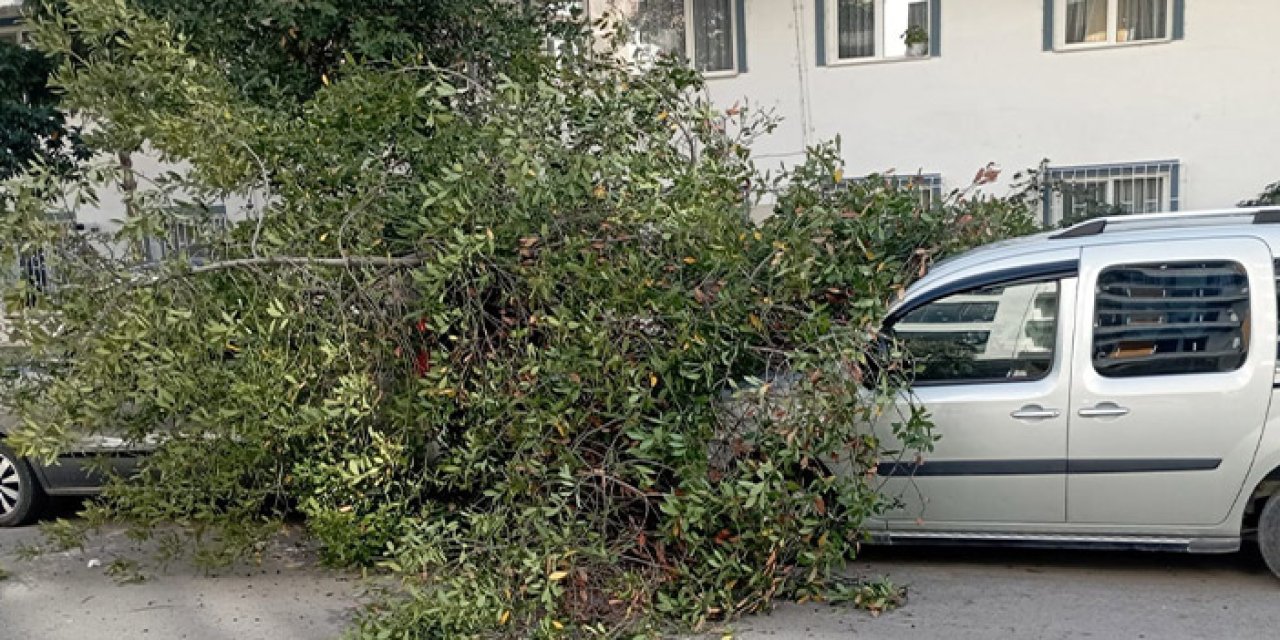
(20, 492)
(1269, 534)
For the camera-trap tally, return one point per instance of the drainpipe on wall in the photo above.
(802, 74)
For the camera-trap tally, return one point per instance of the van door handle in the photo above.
(1104, 410)
(1035, 412)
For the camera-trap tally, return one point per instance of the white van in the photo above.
(1108, 385)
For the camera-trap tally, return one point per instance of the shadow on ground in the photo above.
(1248, 561)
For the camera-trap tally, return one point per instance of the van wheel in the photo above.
(1269, 534)
(20, 494)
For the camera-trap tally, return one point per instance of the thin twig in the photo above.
(266, 201)
(472, 82)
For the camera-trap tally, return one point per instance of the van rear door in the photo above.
(1171, 379)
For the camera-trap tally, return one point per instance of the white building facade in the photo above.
(1138, 105)
(110, 208)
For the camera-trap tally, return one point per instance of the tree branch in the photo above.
(304, 261)
(266, 199)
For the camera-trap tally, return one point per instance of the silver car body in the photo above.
(1056, 453)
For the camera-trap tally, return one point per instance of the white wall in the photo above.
(109, 212)
(1208, 100)
(995, 96)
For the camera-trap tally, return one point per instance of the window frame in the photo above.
(1054, 205)
(1113, 17)
(690, 41)
(16, 37)
(34, 265)
(929, 185)
(1110, 191)
(1245, 337)
(1275, 271)
(831, 37)
(1061, 273)
(186, 220)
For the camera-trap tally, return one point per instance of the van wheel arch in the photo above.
(1267, 487)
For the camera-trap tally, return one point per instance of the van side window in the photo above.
(1171, 318)
(994, 334)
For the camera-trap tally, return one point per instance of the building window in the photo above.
(1100, 22)
(34, 268)
(705, 32)
(992, 334)
(928, 184)
(878, 29)
(21, 38)
(1073, 194)
(188, 232)
(1171, 318)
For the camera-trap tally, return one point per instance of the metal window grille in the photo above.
(929, 184)
(35, 266)
(1077, 193)
(187, 233)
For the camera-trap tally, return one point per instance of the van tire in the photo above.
(1269, 534)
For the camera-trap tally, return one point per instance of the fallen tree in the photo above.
(480, 326)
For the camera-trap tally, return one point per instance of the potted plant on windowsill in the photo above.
(917, 41)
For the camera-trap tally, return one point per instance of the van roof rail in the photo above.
(1097, 226)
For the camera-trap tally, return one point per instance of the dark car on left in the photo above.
(26, 484)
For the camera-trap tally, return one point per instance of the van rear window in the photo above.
(1171, 318)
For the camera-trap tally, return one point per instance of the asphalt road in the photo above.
(953, 594)
(962, 594)
(59, 596)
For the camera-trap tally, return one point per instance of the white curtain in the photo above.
(1086, 21)
(1142, 19)
(918, 15)
(856, 27)
(659, 23)
(713, 35)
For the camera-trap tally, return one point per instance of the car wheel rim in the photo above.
(10, 486)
